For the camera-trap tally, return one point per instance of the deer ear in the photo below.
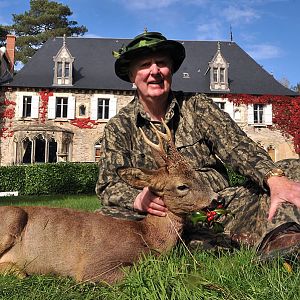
(138, 178)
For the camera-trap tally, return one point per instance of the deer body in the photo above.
(90, 246)
(83, 245)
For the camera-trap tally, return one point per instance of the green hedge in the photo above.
(43, 179)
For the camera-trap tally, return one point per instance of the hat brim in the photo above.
(175, 49)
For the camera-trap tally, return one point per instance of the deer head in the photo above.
(180, 186)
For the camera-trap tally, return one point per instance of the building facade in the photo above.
(56, 107)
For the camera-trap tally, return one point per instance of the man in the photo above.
(206, 136)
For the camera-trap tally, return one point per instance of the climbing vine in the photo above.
(7, 114)
(43, 109)
(83, 122)
(286, 112)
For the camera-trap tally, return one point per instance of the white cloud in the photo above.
(92, 35)
(209, 31)
(237, 14)
(263, 51)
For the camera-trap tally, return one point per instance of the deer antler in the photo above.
(174, 160)
(161, 136)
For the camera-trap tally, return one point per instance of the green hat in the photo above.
(146, 43)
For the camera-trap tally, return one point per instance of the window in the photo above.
(98, 150)
(44, 151)
(63, 66)
(215, 74)
(27, 102)
(52, 152)
(219, 68)
(260, 114)
(61, 107)
(221, 105)
(82, 110)
(27, 105)
(225, 105)
(26, 151)
(103, 108)
(40, 147)
(222, 75)
(219, 75)
(271, 152)
(258, 111)
(67, 70)
(59, 70)
(63, 73)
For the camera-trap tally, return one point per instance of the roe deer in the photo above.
(91, 246)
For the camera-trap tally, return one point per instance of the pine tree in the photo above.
(44, 20)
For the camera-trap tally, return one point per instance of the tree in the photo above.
(45, 19)
(285, 82)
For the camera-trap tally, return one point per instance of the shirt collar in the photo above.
(141, 117)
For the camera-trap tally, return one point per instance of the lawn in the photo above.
(177, 275)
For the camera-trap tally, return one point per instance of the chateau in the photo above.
(55, 108)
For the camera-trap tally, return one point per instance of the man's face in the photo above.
(152, 75)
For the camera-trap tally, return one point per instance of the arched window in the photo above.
(40, 147)
(271, 152)
(98, 149)
(26, 150)
(52, 154)
(82, 110)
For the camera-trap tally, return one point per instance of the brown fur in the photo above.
(90, 246)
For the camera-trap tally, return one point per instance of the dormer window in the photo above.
(63, 66)
(219, 72)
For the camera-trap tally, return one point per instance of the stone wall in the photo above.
(83, 140)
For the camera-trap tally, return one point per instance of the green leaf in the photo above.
(217, 227)
(221, 211)
(199, 216)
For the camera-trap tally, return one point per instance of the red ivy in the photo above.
(43, 109)
(286, 112)
(7, 102)
(7, 115)
(83, 122)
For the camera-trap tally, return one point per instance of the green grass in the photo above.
(177, 275)
(84, 202)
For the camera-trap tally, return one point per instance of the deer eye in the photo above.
(183, 187)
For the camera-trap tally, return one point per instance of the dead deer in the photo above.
(90, 246)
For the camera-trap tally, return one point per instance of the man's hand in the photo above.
(282, 190)
(148, 202)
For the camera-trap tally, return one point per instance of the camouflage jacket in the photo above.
(203, 133)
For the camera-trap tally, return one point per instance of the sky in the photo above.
(268, 30)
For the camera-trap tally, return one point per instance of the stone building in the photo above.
(57, 105)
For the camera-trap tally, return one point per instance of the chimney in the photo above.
(10, 50)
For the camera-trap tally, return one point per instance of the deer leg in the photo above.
(9, 268)
(12, 224)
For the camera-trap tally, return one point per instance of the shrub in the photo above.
(43, 179)
(12, 179)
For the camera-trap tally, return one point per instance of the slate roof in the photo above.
(94, 67)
